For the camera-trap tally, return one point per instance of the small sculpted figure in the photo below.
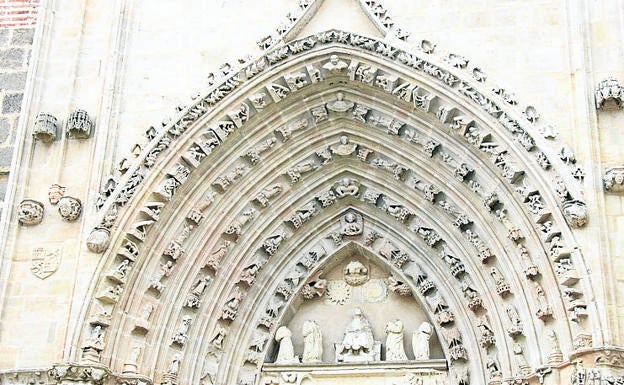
(286, 352)
(394, 341)
(312, 342)
(420, 341)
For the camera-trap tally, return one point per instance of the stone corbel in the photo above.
(609, 95)
(614, 179)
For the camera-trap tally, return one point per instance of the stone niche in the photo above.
(356, 284)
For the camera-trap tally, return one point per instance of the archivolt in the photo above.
(445, 171)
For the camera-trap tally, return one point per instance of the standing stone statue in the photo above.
(286, 351)
(394, 341)
(420, 341)
(312, 342)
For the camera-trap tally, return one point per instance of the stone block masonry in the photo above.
(17, 29)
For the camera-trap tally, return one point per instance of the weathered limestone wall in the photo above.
(15, 42)
(129, 63)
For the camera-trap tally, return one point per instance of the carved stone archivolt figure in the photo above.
(286, 351)
(335, 65)
(340, 105)
(347, 187)
(344, 148)
(420, 341)
(351, 224)
(394, 342)
(312, 342)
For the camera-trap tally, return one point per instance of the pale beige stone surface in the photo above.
(129, 63)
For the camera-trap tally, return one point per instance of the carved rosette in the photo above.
(614, 179)
(98, 240)
(30, 212)
(45, 128)
(69, 208)
(79, 125)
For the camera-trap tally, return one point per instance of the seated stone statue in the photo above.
(358, 344)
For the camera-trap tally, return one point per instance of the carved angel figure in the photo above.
(312, 342)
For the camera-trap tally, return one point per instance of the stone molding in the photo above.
(71, 373)
(603, 364)
(124, 182)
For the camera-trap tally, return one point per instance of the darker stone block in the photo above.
(15, 81)
(5, 129)
(12, 103)
(11, 58)
(6, 154)
(3, 188)
(23, 36)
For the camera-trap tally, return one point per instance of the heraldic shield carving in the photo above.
(45, 261)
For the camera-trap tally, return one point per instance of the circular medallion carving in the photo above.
(338, 292)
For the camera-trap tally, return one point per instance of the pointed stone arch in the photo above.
(448, 158)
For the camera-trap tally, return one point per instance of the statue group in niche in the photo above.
(358, 342)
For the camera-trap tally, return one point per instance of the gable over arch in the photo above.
(277, 146)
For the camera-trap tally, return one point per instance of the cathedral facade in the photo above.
(313, 192)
